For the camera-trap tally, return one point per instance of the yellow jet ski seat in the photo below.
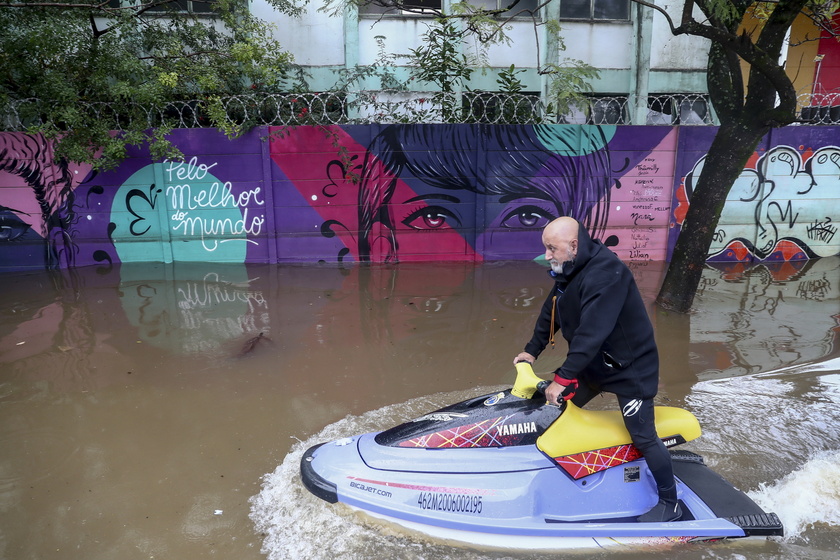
(583, 442)
(578, 430)
(587, 441)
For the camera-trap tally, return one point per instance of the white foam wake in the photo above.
(805, 498)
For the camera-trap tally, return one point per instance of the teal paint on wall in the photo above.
(179, 211)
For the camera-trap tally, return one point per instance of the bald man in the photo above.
(597, 307)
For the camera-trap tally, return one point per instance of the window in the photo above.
(191, 6)
(608, 110)
(422, 5)
(524, 8)
(408, 7)
(616, 10)
(400, 7)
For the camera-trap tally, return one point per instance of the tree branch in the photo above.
(741, 45)
(688, 10)
(662, 12)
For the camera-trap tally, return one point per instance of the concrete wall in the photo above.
(412, 193)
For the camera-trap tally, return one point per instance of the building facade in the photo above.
(631, 46)
(646, 74)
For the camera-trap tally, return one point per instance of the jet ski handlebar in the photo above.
(527, 383)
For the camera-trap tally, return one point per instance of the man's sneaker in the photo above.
(662, 512)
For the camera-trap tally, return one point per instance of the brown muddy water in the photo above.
(140, 419)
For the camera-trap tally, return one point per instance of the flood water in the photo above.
(155, 411)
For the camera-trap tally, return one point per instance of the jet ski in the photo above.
(508, 470)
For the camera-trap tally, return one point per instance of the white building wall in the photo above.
(602, 45)
(315, 39)
(522, 51)
(681, 52)
(400, 35)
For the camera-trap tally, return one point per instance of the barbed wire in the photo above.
(820, 108)
(367, 107)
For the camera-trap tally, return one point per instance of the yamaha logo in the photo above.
(515, 429)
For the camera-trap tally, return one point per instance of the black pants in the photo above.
(639, 421)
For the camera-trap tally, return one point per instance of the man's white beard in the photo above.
(557, 266)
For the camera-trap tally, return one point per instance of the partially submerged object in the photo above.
(251, 343)
(508, 470)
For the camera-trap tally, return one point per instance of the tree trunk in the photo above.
(746, 115)
(731, 149)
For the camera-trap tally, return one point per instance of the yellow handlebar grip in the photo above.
(526, 381)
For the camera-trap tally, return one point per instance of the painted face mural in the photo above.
(470, 192)
(37, 208)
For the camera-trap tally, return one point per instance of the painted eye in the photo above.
(431, 217)
(11, 227)
(529, 216)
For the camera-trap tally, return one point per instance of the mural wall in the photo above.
(386, 193)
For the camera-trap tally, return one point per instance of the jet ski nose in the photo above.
(313, 481)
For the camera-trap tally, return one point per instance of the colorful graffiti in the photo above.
(387, 193)
(784, 206)
(199, 213)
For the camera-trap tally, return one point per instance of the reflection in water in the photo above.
(749, 320)
(196, 310)
(133, 425)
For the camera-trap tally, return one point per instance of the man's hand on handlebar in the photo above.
(565, 390)
(524, 357)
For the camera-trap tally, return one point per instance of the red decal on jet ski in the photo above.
(580, 465)
(481, 434)
(492, 432)
(426, 488)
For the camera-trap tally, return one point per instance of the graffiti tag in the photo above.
(193, 206)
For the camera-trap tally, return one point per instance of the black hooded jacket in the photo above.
(602, 316)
